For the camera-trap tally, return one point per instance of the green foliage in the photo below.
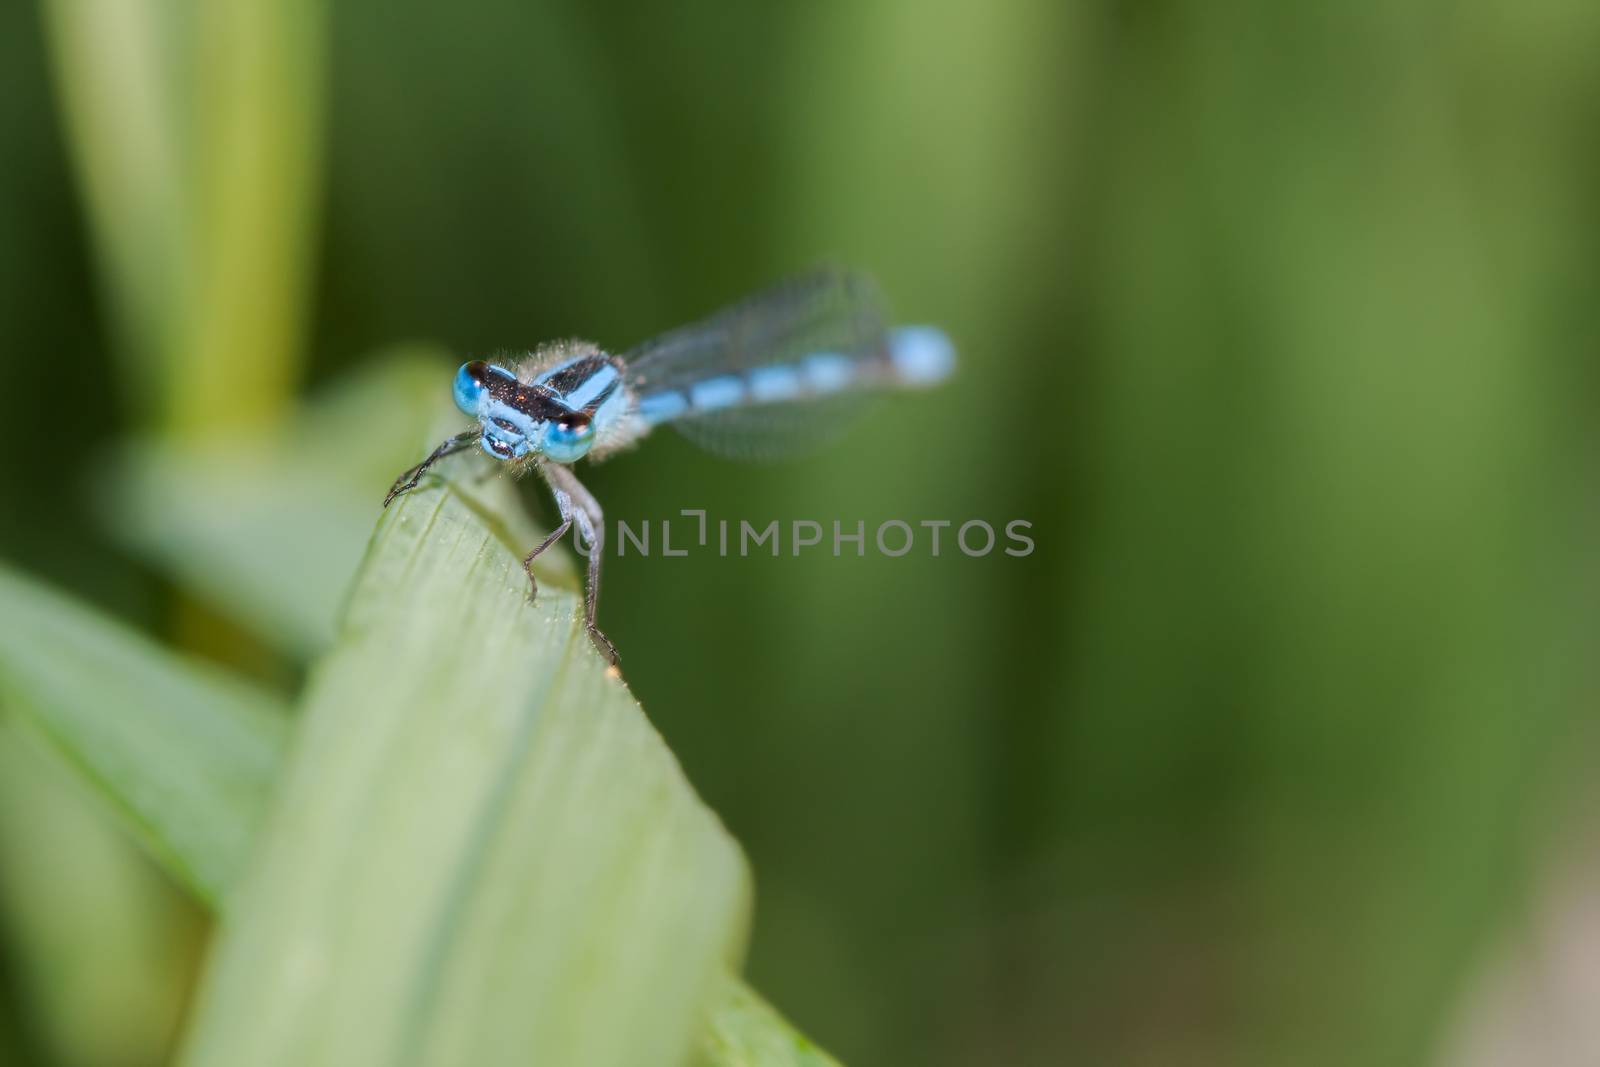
(481, 852)
(744, 1031)
(1274, 320)
(478, 851)
(185, 751)
(196, 129)
(92, 930)
(268, 525)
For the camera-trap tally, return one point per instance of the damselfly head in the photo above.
(564, 440)
(519, 418)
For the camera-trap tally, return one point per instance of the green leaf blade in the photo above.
(745, 1031)
(482, 852)
(186, 752)
(205, 840)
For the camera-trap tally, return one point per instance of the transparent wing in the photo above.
(824, 311)
(779, 373)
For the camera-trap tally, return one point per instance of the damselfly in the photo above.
(754, 379)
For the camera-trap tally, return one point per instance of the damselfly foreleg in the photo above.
(583, 511)
(408, 481)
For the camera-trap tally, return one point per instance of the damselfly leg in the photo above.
(564, 505)
(579, 508)
(451, 445)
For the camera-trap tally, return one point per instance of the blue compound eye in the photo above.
(567, 441)
(471, 384)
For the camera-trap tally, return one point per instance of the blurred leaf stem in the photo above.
(195, 128)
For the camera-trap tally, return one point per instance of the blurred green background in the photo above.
(1277, 321)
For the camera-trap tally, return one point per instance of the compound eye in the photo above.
(567, 441)
(471, 385)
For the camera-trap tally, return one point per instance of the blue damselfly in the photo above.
(758, 378)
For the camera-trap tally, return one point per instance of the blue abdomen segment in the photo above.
(922, 355)
(657, 408)
(915, 357)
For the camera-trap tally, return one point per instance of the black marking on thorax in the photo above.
(537, 402)
(569, 378)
